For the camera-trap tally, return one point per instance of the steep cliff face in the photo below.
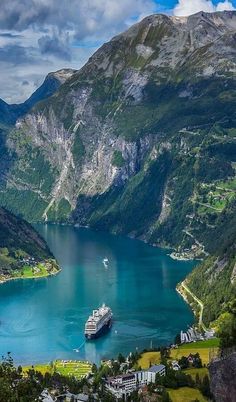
(141, 140)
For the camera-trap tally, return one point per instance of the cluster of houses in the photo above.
(192, 361)
(192, 335)
(28, 261)
(123, 385)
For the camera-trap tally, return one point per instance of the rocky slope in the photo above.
(10, 113)
(141, 140)
(222, 374)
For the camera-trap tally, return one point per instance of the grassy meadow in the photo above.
(75, 368)
(186, 394)
(202, 347)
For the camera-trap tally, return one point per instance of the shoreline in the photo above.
(165, 247)
(41, 276)
(179, 289)
(184, 256)
(180, 257)
(182, 289)
(184, 297)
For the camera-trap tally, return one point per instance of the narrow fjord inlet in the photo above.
(118, 201)
(44, 319)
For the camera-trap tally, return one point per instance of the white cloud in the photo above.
(21, 60)
(47, 35)
(225, 5)
(58, 34)
(85, 17)
(188, 7)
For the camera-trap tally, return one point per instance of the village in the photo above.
(30, 267)
(142, 376)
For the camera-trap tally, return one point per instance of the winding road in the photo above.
(201, 324)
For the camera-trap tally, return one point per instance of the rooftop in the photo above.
(156, 368)
(78, 397)
(127, 376)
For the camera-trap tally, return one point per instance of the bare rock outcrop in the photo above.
(223, 379)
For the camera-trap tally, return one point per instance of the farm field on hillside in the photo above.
(149, 358)
(201, 347)
(186, 394)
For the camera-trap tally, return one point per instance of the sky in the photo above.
(40, 36)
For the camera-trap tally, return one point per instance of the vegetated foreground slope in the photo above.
(140, 141)
(19, 241)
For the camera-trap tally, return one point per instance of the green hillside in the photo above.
(23, 253)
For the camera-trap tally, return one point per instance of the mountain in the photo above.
(19, 240)
(51, 84)
(10, 113)
(7, 113)
(141, 141)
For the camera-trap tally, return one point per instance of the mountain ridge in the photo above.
(134, 83)
(9, 113)
(140, 141)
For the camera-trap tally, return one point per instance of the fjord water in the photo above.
(43, 319)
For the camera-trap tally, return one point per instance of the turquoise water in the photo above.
(44, 319)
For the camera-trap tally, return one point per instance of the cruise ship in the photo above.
(98, 323)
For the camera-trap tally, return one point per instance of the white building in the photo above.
(45, 396)
(152, 372)
(175, 365)
(127, 383)
(148, 376)
(122, 384)
(76, 398)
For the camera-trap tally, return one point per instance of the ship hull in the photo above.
(102, 331)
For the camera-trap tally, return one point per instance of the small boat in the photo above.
(105, 262)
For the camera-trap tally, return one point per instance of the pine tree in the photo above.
(165, 396)
(205, 387)
(198, 381)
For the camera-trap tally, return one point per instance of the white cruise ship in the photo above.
(99, 322)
